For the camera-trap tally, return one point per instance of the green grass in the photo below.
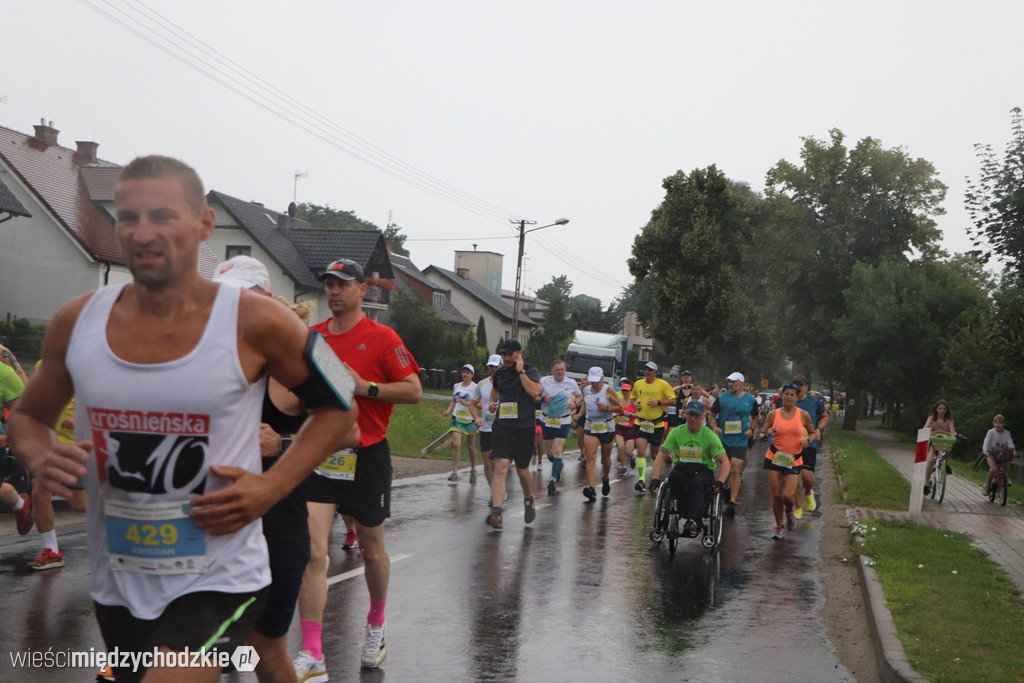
(956, 612)
(414, 426)
(868, 480)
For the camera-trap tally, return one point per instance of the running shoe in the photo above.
(985, 489)
(780, 532)
(351, 540)
(308, 669)
(812, 502)
(531, 511)
(472, 476)
(454, 476)
(376, 649)
(790, 520)
(47, 560)
(639, 486)
(23, 517)
(105, 674)
(590, 493)
(494, 519)
(623, 471)
(798, 513)
(632, 463)
(580, 459)
(730, 509)
(551, 487)
(606, 487)
(927, 489)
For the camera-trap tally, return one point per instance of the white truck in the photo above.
(589, 349)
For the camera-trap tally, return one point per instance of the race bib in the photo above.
(733, 426)
(508, 411)
(691, 454)
(784, 459)
(154, 538)
(538, 414)
(340, 465)
(622, 420)
(555, 422)
(672, 410)
(598, 427)
(462, 414)
(647, 426)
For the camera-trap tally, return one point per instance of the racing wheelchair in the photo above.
(668, 522)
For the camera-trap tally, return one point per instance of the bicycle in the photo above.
(1001, 483)
(942, 443)
(667, 518)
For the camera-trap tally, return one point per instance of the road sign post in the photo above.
(917, 481)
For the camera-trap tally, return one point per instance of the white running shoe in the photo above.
(376, 649)
(780, 533)
(308, 669)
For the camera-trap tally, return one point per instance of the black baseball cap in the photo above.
(344, 269)
(511, 346)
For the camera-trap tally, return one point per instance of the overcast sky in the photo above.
(527, 109)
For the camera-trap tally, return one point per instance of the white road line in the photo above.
(358, 572)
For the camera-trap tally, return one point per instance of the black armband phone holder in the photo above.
(329, 382)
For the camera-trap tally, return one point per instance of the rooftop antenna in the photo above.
(295, 189)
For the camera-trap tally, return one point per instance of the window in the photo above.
(233, 250)
(439, 300)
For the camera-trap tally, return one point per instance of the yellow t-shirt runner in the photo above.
(659, 390)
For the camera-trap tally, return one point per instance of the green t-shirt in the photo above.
(686, 447)
(11, 386)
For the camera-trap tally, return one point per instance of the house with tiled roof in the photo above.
(295, 253)
(475, 300)
(57, 237)
(412, 282)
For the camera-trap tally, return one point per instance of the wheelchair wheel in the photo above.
(713, 532)
(660, 527)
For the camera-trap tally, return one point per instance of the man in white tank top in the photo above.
(169, 373)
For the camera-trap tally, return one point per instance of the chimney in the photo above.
(284, 224)
(463, 273)
(46, 133)
(387, 245)
(87, 150)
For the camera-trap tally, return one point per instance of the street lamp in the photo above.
(519, 265)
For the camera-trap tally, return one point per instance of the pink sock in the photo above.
(376, 615)
(311, 631)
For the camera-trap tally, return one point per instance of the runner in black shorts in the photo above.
(516, 387)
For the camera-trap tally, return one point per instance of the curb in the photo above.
(893, 666)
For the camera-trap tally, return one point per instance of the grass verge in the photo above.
(956, 612)
(414, 426)
(868, 480)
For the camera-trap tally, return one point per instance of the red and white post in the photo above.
(917, 481)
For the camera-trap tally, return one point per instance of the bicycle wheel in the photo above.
(660, 510)
(713, 538)
(993, 490)
(939, 485)
(1004, 488)
(933, 482)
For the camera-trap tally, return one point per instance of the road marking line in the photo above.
(357, 572)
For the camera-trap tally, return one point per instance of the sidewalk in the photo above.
(997, 530)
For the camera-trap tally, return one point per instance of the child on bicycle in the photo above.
(940, 421)
(998, 449)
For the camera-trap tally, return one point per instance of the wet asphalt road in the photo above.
(579, 595)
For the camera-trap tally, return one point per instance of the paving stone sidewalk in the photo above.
(997, 530)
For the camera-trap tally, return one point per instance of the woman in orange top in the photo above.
(788, 426)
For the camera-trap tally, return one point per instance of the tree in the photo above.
(559, 286)
(481, 333)
(549, 343)
(995, 200)
(422, 330)
(839, 207)
(396, 239)
(688, 258)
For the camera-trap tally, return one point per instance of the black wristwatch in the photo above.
(286, 442)
(373, 390)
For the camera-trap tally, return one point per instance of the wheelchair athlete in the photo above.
(694, 450)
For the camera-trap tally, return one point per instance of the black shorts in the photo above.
(810, 456)
(654, 439)
(551, 433)
(288, 560)
(736, 452)
(485, 441)
(192, 621)
(513, 443)
(602, 437)
(367, 498)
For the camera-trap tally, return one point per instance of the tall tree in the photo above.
(686, 260)
(995, 200)
(481, 333)
(559, 286)
(838, 207)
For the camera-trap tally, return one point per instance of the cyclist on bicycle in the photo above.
(695, 450)
(998, 449)
(940, 421)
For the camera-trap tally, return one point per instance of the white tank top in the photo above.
(157, 428)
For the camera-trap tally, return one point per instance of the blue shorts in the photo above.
(556, 432)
